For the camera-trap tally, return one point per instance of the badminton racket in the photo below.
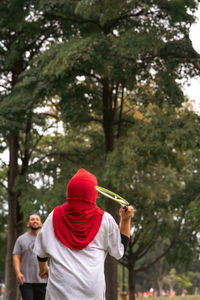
(112, 196)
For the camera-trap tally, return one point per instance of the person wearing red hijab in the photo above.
(76, 238)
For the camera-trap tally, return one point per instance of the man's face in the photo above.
(34, 222)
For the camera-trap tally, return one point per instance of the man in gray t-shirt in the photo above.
(25, 263)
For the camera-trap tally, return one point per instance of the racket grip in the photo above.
(125, 208)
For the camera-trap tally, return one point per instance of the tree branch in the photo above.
(157, 259)
(3, 185)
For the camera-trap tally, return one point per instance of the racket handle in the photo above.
(125, 208)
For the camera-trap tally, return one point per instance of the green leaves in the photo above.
(182, 281)
(155, 167)
(108, 70)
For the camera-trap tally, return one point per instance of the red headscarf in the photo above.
(77, 222)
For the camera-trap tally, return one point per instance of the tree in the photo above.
(173, 280)
(3, 229)
(153, 276)
(23, 33)
(156, 169)
(115, 47)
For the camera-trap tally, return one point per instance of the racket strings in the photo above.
(112, 195)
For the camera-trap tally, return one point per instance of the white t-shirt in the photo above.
(78, 274)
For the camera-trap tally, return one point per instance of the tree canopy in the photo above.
(110, 71)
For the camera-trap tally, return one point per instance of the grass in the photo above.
(189, 297)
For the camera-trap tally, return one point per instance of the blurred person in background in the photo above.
(31, 285)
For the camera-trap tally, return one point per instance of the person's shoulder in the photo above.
(22, 237)
(25, 234)
(48, 220)
(49, 217)
(108, 223)
(108, 218)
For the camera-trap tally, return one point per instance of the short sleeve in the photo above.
(18, 247)
(115, 246)
(39, 247)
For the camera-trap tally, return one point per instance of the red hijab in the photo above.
(77, 222)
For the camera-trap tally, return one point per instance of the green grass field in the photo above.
(192, 297)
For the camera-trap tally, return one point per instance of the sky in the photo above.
(192, 88)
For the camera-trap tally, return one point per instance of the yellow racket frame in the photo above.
(112, 195)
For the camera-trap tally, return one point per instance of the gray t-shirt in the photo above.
(29, 265)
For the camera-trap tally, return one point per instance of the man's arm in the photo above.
(16, 264)
(125, 225)
(125, 220)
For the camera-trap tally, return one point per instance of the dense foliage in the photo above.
(94, 84)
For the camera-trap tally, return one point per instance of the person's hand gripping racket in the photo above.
(125, 219)
(125, 212)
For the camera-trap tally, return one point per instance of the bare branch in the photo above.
(157, 259)
(3, 185)
(3, 163)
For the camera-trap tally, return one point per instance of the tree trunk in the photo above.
(108, 115)
(111, 263)
(15, 219)
(131, 281)
(160, 287)
(159, 267)
(111, 278)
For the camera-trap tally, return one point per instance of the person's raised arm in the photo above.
(125, 220)
(16, 264)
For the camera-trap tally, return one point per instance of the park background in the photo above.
(100, 85)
